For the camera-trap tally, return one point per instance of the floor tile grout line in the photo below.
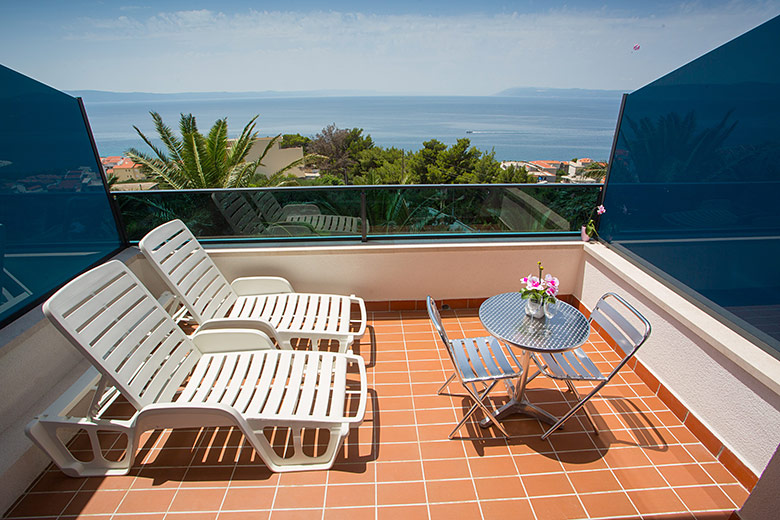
(522, 483)
(566, 473)
(203, 436)
(227, 489)
(696, 460)
(374, 371)
(652, 463)
(716, 483)
(468, 459)
(514, 463)
(609, 467)
(325, 492)
(416, 428)
(74, 492)
(132, 459)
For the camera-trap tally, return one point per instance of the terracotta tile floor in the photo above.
(399, 463)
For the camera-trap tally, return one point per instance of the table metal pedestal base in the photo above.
(523, 408)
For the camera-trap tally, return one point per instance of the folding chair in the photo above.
(476, 360)
(621, 322)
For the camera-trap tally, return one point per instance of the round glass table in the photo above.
(504, 317)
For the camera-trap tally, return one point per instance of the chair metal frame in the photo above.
(481, 360)
(575, 365)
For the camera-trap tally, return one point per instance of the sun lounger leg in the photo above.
(299, 460)
(44, 433)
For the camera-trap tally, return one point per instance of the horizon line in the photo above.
(349, 92)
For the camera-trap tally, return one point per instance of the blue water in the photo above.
(518, 128)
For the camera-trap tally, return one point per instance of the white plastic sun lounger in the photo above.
(308, 214)
(330, 223)
(244, 220)
(220, 377)
(237, 211)
(182, 262)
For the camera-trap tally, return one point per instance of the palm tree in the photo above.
(197, 161)
(672, 148)
(595, 170)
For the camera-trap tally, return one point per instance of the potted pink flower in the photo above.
(588, 231)
(540, 291)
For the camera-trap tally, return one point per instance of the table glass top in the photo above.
(504, 317)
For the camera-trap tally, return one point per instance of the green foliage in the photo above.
(357, 160)
(293, 140)
(280, 178)
(514, 175)
(322, 180)
(574, 203)
(461, 163)
(561, 172)
(144, 211)
(336, 150)
(349, 156)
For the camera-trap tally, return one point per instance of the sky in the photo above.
(437, 47)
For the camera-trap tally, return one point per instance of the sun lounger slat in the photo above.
(247, 390)
(339, 388)
(294, 386)
(225, 375)
(323, 387)
(279, 383)
(237, 380)
(306, 400)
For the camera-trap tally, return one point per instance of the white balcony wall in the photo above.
(409, 271)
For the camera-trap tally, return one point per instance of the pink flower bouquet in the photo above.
(538, 288)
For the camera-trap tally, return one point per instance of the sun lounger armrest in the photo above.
(185, 415)
(231, 340)
(362, 305)
(361, 411)
(254, 285)
(241, 323)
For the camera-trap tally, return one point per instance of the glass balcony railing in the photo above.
(363, 212)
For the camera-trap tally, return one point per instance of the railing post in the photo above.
(363, 217)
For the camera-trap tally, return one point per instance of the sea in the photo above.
(535, 125)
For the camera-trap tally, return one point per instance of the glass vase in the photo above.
(534, 308)
(550, 308)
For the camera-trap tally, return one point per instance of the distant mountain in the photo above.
(557, 92)
(97, 96)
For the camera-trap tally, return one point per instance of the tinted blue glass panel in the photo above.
(694, 187)
(55, 217)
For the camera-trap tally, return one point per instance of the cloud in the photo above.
(201, 50)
